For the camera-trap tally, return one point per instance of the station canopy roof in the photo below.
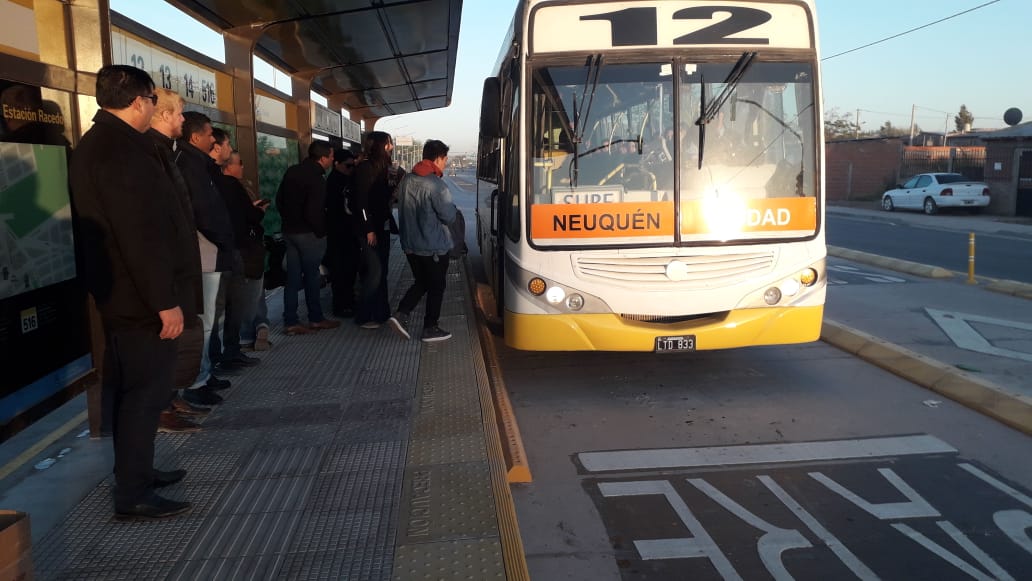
(381, 57)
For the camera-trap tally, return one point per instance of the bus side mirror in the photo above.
(491, 110)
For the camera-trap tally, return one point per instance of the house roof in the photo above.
(1019, 131)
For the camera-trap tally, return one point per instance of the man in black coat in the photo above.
(219, 255)
(342, 240)
(140, 260)
(301, 203)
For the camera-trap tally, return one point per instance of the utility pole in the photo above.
(945, 129)
(913, 109)
(857, 135)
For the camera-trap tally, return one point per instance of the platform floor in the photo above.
(347, 454)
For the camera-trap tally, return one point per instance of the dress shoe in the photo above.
(217, 383)
(164, 478)
(298, 330)
(325, 324)
(171, 423)
(185, 408)
(202, 396)
(261, 339)
(150, 507)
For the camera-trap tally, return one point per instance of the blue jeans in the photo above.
(249, 329)
(210, 283)
(304, 255)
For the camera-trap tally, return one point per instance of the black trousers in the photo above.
(139, 372)
(342, 254)
(431, 278)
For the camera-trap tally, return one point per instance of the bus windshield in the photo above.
(606, 135)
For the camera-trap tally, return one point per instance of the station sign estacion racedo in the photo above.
(637, 25)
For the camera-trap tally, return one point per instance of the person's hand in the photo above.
(171, 323)
(371, 238)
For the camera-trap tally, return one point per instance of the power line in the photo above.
(911, 30)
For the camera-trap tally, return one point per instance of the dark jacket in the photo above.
(371, 201)
(300, 199)
(139, 253)
(165, 147)
(210, 213)
(247, 225)
(339, 222)
(425, 208)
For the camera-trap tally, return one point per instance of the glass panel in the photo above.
(750, 171)
(275, 155)
(599, 171)
(35, 30)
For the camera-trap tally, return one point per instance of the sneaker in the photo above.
(398, 322)
(295, 330)
(171, 423)
(202, 396)
(370, 325)
(243, 360)
(217, 383)
(324, 324)
(261, 340)
(435, 333)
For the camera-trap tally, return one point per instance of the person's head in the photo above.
(378, 147)
(436, 152)
(321, 152)
(343, 161)
(168, 114)
(234, 165)
(128, 93)
(197, 130)
(221, 151)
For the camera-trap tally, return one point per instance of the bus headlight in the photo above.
(575, 302)
(790, 287)
(808, 277)
(555, 295)
(772, 296)
(536, 286)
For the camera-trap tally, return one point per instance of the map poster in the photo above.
(44, 339)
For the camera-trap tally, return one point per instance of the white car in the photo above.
(931, 191)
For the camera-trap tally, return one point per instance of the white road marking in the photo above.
(957, 327)
(916, 507)
(762, 453)
(844, 554)
(701, 544)
(775, 540)
(996, 484)
(962, 540)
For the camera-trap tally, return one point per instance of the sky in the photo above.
(979, 59)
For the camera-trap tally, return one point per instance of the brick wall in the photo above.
(861, 169)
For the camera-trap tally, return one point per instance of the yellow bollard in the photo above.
(971, 258)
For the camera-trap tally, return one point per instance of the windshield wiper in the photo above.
(590, 86)
(709, 112)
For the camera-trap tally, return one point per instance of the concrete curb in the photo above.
(896, 264)
(980, 395)
(1008, 287)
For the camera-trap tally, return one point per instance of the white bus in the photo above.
(650, 175)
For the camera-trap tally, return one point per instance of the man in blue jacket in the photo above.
(425, 209)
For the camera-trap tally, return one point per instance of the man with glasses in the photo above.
(342, 241)
(139, 257)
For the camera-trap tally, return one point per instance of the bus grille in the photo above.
(703, 270)
(671, 319)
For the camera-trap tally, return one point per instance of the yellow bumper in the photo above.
(609, 332)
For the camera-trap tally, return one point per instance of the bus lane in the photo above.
(782, 462)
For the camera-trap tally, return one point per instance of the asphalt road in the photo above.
(777, 462)
(1006, 255)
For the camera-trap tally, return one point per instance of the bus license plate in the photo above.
(674, 344)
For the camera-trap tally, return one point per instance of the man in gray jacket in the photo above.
(425, 209)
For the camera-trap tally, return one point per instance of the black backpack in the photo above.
(458, 235)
